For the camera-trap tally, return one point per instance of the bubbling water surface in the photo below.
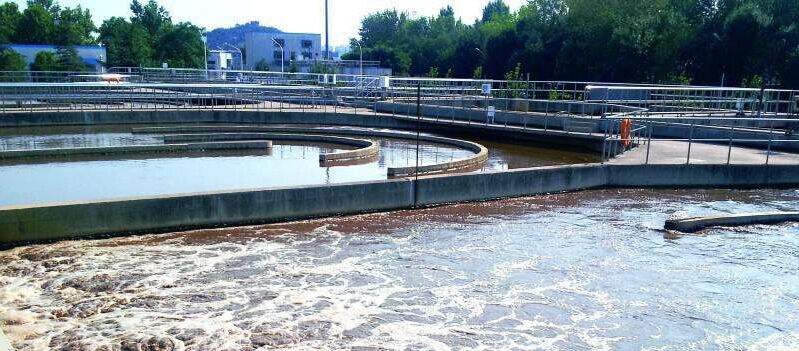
(590, 270)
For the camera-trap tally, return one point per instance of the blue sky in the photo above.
(288, 15)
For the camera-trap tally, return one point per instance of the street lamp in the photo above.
(360, 47)
(241, 56)
(282, 54)
(205, 55)
(481, 54)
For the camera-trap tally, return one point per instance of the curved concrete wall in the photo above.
(551, 137)
(366, 148)
(20, 224)
(111, 150)
(476, 161)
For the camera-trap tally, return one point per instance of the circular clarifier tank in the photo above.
(286, 164)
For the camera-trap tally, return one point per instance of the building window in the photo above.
(278, 55)
(306, 55)
(293, 55)
(282, 43)
(307, 44)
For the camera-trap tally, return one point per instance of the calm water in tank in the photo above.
(90, 178)
(582, 271)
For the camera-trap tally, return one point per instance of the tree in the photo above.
(128, 45)
(50, 6)
(37, 26)
(262, 66)
(11, 61)
(45, 61)
(495, 9)
(154, 18)
(67, 59)
(398, 60)
(9, 21)
(181, 46)
(75, 27)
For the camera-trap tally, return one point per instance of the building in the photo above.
(302, 51)
(297, 48)
(93, 55)
(220, 60)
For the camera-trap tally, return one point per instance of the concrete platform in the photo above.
(676, 152)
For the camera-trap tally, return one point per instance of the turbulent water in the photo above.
(584, 271)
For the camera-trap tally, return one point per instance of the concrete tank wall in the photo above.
(20, 224)
(200, 210)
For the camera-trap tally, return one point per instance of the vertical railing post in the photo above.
(690, 142)
(770, 140)
(649, 142)
(729, 150)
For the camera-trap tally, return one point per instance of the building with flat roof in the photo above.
(221, 60)
(297, 47)
(93, 56)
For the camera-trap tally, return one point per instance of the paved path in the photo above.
(676, 152)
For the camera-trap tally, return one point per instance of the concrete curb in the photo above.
(109, 150)
(691, 225)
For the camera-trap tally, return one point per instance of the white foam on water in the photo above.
(541, 281)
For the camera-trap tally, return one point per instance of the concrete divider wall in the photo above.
(552, 137)
(198, 117)
(157, 214)
(130, 149)
(202, 210)
(702, 176)
(494, 185)
(553, 121)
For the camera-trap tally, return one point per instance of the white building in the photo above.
(220, 60)
(93, 56)
(297, 47)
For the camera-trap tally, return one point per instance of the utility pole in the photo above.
(327, 31)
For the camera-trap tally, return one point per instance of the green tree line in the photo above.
(147, 39)
(658, 41)
(45, 22)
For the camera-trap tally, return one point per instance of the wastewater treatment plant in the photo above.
(173, 210)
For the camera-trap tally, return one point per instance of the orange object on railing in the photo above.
(626, 130)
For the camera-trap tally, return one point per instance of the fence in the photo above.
(764, 118)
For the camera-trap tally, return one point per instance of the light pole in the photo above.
(282, 54)
(241, 56)
(481, 54)
(360, 47)
(205, 55)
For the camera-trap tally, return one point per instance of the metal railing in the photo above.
(760, 118)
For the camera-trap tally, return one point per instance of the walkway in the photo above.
(676, 152)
